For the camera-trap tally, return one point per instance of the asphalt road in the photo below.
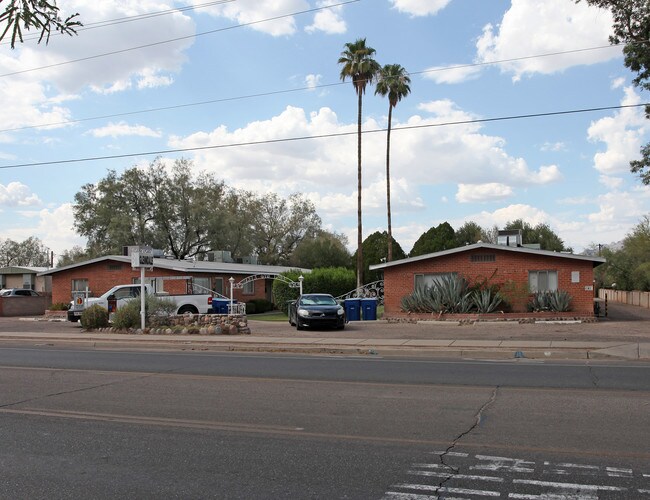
(92, 424)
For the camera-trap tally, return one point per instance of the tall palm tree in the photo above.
(361, 68)
(393, 81)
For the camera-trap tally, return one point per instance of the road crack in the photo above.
(478, 417)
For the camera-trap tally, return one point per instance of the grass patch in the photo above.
(270, 316)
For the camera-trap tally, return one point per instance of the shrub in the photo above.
(260, 306)
(251, 308)
(486, 300)
(94, 316)
(555, 301)
(59, 306)
(157, 312)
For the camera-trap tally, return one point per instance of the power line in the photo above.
(127, 19)
(286, 91)
(321, 136)
(177, 39)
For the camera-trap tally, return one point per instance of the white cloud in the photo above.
(420, 7)
(471, 193)
(16, 194)
(253, 11)
(326, 167)
(123, 129)
(536, 27)
(313, 81)
(611, 182)
(328, 20)
(502, 216)
(553, 146)
(623, 134)
(452, 74)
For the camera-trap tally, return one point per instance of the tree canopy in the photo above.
(632, 28)
(28, 253)
(38, 15)
(186, 215)
(541, 234)
(375, 251)
(324, 249)
(436, 239)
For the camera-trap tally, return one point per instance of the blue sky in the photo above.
(231, 79)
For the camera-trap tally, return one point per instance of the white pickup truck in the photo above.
(118, 295)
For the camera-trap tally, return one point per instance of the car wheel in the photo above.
(341, 327)
(299, 326)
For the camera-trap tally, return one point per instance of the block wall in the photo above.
(509, 269)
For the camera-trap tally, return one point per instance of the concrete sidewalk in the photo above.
(321, 343)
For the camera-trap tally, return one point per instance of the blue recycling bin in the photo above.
(369, 309)
(220, 306)
(352, 309)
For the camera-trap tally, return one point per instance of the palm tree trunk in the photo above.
(390, 229)
(359, 228)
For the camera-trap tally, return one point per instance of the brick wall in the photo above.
(104, 275)
(509, 269)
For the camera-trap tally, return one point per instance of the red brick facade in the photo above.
(105, 274)
(505, 267)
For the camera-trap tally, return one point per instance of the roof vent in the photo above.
(510, 238)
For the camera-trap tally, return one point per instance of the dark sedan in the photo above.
(316, 310)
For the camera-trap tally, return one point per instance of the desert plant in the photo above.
(486, 300)
(556, 301)
(94, 316)
(559, 301)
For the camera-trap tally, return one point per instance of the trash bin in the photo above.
(352, 309)
(220, 306)
(369, 309)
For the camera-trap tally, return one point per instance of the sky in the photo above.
(250, 91)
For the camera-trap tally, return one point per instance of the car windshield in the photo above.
(318, 300)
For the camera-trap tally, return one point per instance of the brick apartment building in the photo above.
(519, 270)
(101, 274)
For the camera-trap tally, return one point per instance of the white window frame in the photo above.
(422, 280)
(249, 288)
(543, 280)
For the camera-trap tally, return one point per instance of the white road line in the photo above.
(616, 472)
(550, 496)
(409, 496)
(592, 487)
(445, 489)
(455, 476)
(450, 453)
(504, 463)
(432, 466)
(575, 466)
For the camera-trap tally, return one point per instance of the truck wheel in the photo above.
(188, 309)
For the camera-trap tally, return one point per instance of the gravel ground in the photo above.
(624, 323)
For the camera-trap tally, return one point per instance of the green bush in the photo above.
(259, 306)
(336, 281)
(59, 306)
(251, 308)
(157, 312)
(94, 316)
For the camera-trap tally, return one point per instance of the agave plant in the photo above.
(454, 294)
(486, 300)
(559, 301)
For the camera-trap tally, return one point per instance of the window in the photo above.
(427, 280)
(201, 285)
(127, 292)
(79, 285)
(542, 281)
(218, 285)
(249, 288)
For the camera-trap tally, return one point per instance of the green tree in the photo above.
(74, 255)
(325, 249)
(375, 251)
(42, 15)
(280, 225)
(632, 28)
(469, 233)
(27, 253)
(169, 211)
(361, 68)
(436, 239)
(393, 81)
